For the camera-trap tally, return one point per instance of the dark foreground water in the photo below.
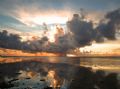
(59, 73)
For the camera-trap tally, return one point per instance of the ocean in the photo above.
(59, 73)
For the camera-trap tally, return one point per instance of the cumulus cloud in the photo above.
(109, 29)
(80, 32)
(10, 41)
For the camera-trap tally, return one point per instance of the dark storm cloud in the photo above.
(83, 31)
(114, 16)
(10, 41)
(63, 44)
(13, 41)
(109, 29)
(82, 34)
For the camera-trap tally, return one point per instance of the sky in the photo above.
(21, 15)
(29, 18)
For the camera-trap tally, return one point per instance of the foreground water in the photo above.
(59, 73)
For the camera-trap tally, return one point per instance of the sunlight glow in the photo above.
(50, 20)
(104, 48)
(39, 20)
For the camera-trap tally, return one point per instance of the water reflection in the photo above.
(60, 73)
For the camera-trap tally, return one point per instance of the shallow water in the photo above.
(62, 72)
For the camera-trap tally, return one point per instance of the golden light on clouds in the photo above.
(39, 20)
(103, 48)
(38, 17)
(10, 52)
(50, 20)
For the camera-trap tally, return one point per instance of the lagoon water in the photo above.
(59, 73)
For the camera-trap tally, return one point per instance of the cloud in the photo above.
(82, 31)
(12, 7)
(10, 41)
(82, 34)
(109, 29)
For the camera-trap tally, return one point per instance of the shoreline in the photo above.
(80, 56)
